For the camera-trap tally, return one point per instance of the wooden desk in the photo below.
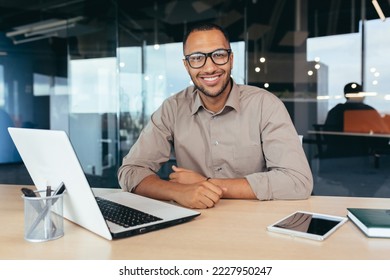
(234, 229)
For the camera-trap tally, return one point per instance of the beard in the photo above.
(208, 92)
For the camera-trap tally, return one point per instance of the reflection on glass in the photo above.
(93, 109)
(2, 87)
(307, 223)
(347, 48)
(377, 57)
(42, 84)
(334, 75)
(298, 222)
(93, 85)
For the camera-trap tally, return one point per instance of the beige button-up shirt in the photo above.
(252, 137)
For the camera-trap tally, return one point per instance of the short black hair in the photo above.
(352, 88)
(206, 26)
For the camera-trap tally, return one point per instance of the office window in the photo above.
(42, 84)
(328, 51)
(377, 71)
(93, 85)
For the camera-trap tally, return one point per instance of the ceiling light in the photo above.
(322, 97)
(31, 39)
(378, 10)
(41, 30)
(43, 27)
(361, 94)
(49, 30)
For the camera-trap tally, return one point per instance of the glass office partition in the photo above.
(2, 87)
(98, 70)
(377, 71)
(89, 111)
(326, 53)
(359, 145)
(131, 97)
(93, 106)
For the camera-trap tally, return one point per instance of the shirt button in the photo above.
(216, 143)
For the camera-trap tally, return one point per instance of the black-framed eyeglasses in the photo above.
(198, 59)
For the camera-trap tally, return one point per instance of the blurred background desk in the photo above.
(341, 133)
(341, 144)
(348, 163)
(234, 229)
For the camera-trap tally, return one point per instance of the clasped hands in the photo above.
(198, 192)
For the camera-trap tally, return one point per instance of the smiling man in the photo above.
(229, 140)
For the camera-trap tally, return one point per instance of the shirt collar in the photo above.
(233, 100)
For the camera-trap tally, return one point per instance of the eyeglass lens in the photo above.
(219, 57)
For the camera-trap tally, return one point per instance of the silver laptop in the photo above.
(50, 159)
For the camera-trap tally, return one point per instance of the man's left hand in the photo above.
(185, 176)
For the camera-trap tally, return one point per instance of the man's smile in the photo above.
(211, 80)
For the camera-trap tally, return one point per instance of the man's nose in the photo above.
(209, 65)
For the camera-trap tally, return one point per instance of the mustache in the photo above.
(207, 93)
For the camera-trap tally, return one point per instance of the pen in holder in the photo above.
(43, 219)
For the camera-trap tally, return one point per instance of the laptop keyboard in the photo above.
(123, 215)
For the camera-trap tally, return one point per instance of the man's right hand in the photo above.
(200, 195)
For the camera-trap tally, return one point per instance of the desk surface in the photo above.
(342, 133)
(234, 229)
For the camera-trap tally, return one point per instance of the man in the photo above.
(229, 140)
(357, 117)
(371, 120)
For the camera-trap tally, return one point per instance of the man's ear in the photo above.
(186, 65)
(231, 61)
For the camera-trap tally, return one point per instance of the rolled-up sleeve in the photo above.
(287, 174)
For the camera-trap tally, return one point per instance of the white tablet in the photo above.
(309, 225)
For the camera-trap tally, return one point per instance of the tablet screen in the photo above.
(311, 225)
